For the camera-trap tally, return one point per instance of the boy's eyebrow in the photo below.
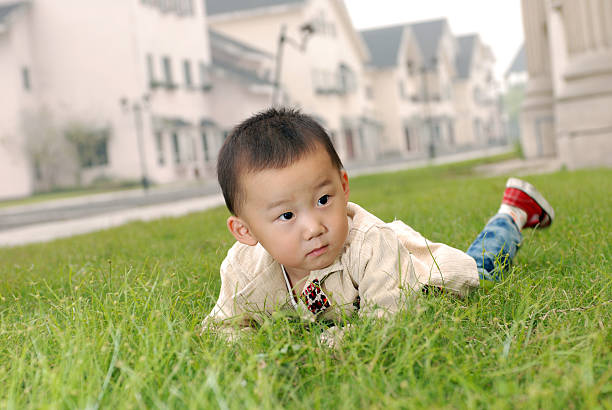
(280, 202)
(324, 182)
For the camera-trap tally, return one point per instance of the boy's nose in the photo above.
(313, 228)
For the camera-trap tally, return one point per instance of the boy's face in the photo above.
(297, 213)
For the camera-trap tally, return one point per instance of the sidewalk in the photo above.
(60, 229)
(519, 167)
(177, 201)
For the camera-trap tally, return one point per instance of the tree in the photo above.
(53, 159)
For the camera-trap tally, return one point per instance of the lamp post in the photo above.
(307, 30)
(137, 108)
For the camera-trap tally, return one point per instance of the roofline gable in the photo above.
(339, 6)
(255, 12)
(7, 10)
(435, 51)
(362, 48)
(406, 39)
(475, 42)
(222, 40)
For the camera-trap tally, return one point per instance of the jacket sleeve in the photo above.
(437, 264)
(393, 268)
(227, 317)
(385, 273)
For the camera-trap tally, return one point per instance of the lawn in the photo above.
(110, 319)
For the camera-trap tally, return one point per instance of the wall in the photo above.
(15, 176)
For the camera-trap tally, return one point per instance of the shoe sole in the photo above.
(530, 190)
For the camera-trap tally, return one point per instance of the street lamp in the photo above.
(307, 30)
(137, 106)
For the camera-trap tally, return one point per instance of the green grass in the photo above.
(109, 319)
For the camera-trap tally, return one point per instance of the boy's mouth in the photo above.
(317, 251)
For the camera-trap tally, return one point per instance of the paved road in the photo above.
(71, 216)
(82, 207)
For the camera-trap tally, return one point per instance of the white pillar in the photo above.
(537, 117)
(584, 119)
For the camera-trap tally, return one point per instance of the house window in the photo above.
(477, 130)
(410, 67)
(350, 143)
(435, 130)
(151, 71)
(193, 154)
(166, 5)
(326, 82)
(205, 82)
(37, 170)
(451, 132)
(178, 7)
(205, 147)
(176, 148)
(185, 7)
(322, 25)
(187, 70)
(347, 80)
(167, 64)
(25, 76)
(477, 95)
(159, 142)
(407, 136)
(91, 146)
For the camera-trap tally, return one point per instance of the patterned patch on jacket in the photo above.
(314, 298)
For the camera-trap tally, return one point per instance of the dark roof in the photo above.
(217, 38)
(214, 7)
(230, 63)
(428, 34)
(463, 60)
(519, 64)
(384, 44)
(244, 74)
(6, 9)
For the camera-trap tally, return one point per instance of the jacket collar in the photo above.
(268, 292)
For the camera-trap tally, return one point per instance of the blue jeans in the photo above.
(495, 247)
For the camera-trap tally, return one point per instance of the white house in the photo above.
(397, 75)
(128, 81)
(439, 49)
(17, 89)
(242, 78)
(321, 60)
(566, 111)
(434, 91)
(478, 118)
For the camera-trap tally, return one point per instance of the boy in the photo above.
(301, 246)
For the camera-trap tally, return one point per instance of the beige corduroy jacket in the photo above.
(381, 263)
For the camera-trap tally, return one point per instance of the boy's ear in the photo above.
(345, 184)
(241, 231)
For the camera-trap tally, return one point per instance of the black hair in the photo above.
(274, 138)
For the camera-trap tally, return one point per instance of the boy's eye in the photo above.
(323, 200)
(286, 216)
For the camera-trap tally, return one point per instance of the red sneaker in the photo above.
(523, 195)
